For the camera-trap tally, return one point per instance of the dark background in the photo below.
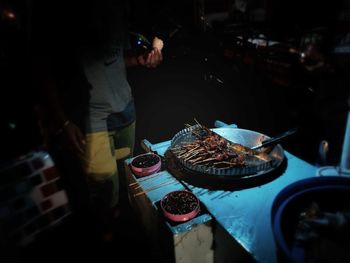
(205, 75)
(196, 79)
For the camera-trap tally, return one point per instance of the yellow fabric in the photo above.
(105, 152)
(100, 162)
(122, 153)
(123, 139)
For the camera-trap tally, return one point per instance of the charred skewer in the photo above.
(204, 161)
(212, 150)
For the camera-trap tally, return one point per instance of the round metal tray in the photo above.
(244, 137)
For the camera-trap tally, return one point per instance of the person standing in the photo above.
(87, 111)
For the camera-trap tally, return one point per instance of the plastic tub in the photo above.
(329, 193)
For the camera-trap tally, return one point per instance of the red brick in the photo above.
(48, 189)
(47, 204)
(50, 173)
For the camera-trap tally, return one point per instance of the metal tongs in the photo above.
(274, 140)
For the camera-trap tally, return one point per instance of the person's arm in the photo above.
(48, 90)
(51, 104)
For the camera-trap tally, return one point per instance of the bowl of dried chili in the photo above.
(180, 205)
(146, 164)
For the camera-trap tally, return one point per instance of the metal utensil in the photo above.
(274, 140)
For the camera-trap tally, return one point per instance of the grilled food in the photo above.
(210, 149)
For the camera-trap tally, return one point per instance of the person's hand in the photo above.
(74, 139)
(157, 43)
(151, 59)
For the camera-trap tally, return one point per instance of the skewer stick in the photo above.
(195, 154)
(197, 122)
(155, 187)
(195, 160)
(224, 162)
(204, 161)
(196, 133)
(180, 153)
(191, 154)
(185, 154)
(194, 148)
(134, 183)
(146, 179)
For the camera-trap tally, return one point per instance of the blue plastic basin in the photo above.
(332, 193)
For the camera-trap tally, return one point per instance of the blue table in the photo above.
(246, 214)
